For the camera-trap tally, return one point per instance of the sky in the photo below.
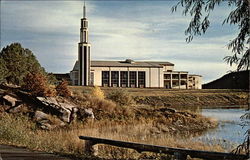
(118, 30)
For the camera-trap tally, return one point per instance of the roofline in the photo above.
(128, 66)
(195, 75)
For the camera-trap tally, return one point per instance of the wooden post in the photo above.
(91, 148)
(180, 156)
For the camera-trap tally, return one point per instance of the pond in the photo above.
(229, 131)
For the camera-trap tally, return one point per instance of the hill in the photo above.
(233, 80)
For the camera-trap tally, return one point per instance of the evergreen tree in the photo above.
(18, 62)
(3, 70)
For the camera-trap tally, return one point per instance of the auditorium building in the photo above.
(126, 73)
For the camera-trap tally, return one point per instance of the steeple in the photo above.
(84, 11)
(84, 52)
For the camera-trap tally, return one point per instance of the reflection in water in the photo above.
(229, 132)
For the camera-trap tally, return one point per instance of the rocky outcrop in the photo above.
(46, 121)
(63, 110)
(47, 112)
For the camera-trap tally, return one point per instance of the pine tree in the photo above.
(18, 63)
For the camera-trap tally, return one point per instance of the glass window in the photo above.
(91, 78)
(166, 76)
(175, 76)
(183, 76)
(132, 79)
(115, 78)
(141, 79)
(124, 79)
(105, 78)
(76, 82)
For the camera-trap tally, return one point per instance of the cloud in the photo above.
(141, 30)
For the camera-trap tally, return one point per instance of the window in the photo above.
(76, 75)
(141, 79)
(105, 78)
(115, 78)
(76, 82)
(183, 76)
(91, 78)
(132, 79)
(167, 76)
(124, 79)
(183, 82)
(175, 76)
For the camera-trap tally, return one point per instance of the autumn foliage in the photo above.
(63, 90)
(37, 84)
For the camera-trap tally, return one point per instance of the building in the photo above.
(127, 73)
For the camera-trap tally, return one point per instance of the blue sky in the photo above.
(140, 30)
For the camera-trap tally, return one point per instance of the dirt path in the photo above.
(19, 153)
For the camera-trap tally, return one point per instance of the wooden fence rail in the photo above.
(179, 153)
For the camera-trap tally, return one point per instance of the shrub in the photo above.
(97, 92)
(121, 97)
(62, 89)
(37, 85)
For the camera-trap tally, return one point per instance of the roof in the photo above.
(195, 75)
(127, 63)
(61, 76)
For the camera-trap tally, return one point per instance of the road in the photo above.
(18, 153)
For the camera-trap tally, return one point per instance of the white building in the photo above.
(126, 73)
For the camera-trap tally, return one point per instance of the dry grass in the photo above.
(19, 130)
(97, 92)
(178, 98)
(143, 124)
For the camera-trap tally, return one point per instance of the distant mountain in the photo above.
(233, 80)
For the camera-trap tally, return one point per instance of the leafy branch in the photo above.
(200, 11)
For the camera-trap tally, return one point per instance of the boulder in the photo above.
(46, 121)
(62, 109)
(16, 109)
(84, 113)
(39, 115)
(89, 113)
(9, 99)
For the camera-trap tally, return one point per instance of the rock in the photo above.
(63, 110)
(84, 113)
(45, 125)
(4, 108)
(168, 110)
(16, 109)
(46, 121)
(164, 129)
(11, 100)
(89, 112)
(39, 115)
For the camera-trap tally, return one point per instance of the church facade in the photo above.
(126, 73)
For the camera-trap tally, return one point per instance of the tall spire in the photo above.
(84, 10)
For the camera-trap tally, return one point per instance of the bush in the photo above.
(37, 85)
(62, 89)
(97, 92)
(121, 97)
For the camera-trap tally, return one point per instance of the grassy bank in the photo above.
(180, 98)
(21, 131)
(129, 115)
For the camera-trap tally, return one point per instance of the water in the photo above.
(229, 132)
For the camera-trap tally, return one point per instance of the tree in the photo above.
(62, 89)
(239, 45)
(240, 17)
(37, 84)
(3, 70)
(18, 63)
